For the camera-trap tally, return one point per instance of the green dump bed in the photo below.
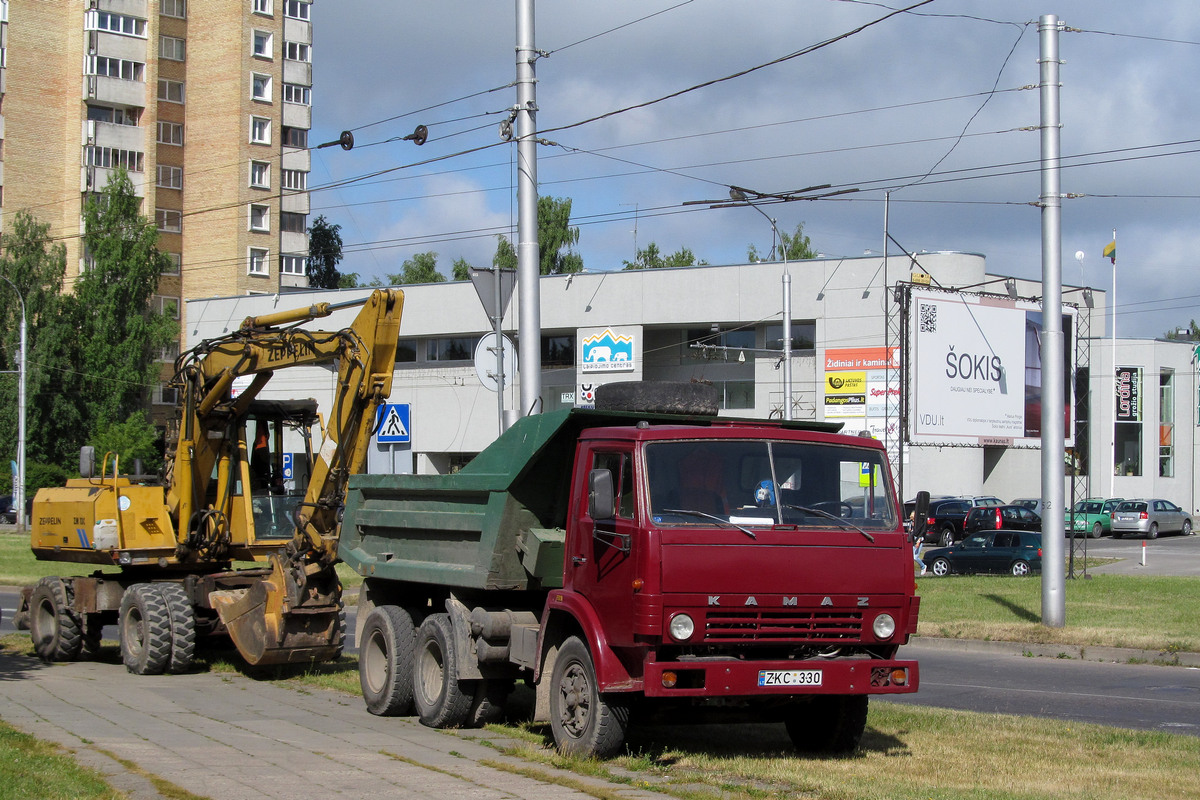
(498, 523)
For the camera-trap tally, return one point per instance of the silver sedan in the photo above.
(1149, 517)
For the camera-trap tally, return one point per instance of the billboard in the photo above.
(977, 370)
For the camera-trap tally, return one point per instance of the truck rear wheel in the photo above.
(145, 630)
(182, 625)
(583, 721)
(385, 661)
(54, 628)
(442, 700)
(829, 724)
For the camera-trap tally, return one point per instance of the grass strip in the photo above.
(34, 768)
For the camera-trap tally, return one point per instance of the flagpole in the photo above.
(1112, 453)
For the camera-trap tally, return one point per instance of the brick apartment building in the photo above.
(207, 103)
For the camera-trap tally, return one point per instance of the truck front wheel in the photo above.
(145, 630)
(584, 722)
(54, 628)
(442, 700)
(385, 661)
(829, 724)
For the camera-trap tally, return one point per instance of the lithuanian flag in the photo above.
(1110, 251)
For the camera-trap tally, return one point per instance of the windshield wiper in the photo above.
(827, 515)
(713, 517)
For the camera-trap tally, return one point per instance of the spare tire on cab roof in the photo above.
(660, 397)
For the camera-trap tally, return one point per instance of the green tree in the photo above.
(324, 255)
(118, 335)
(1184, 333)
(794, 247)
(421, 268)
(129, 439)
(649, 257)
(555, 239)
(462, 270)
(36, 267)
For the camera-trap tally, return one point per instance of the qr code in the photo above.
(928, 317)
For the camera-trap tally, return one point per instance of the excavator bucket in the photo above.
(271, 622)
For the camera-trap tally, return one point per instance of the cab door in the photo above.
(602, 558)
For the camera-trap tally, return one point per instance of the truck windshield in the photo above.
(766, 483)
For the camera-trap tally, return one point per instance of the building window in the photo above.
(262, 7)
(736, 338)
(171, 91)
(170, 133)
(260, 174)
(260, 130)
(168, 220)
(294, 179)
(166, 395)
(168, 307)
(293, 265)
(1166, 424)
(297, 9)
(173, 8)
(169, 177)
(260, 87)
(262, 44)
(257, 261)
(736, 394)
(295, 137)
(451, 348)
(171, 48)
(297, 51)
(291, 222)
(260, 218)
(120, 68)
(804, 336)
(114, 23)
(115, 116)
(295, 93)
(558, 351)
(174, 264)
(109, 157)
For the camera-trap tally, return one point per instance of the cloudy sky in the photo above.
(938, 105)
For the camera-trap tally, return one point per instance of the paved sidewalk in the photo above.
(227, 737)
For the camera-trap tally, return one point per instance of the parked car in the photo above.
(1092, 517)
(1007, 517)
(1034, 504)
(1013, 552)
(944, 524)
(7, 515)
(985, 500)
(1150, 517)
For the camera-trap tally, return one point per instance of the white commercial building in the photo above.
(723, 325)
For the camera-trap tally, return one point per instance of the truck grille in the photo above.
(783, 626)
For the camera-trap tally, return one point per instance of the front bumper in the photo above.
(737, 678)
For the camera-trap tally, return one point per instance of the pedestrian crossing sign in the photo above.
(393, 425)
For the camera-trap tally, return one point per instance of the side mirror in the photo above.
(920, 515)
(600, 494)
(87, 462)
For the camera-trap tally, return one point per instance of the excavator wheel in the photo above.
(182, 624)
(145, 629)
(53, 626)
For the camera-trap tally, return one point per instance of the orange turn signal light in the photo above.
(638, 583)
(669, 679)
(899, 676)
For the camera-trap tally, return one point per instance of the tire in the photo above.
(181, 621)
(55, 629)
(441, 699)
(1021, 568)
(145, 630)
(1153, 532)
(829, 724)
(487, 706)
(941, 567)
(1097, 531)
(385, 661)
(1186, 530)
(662, 397)
(584, 722)
(91, 629)
(947, 537)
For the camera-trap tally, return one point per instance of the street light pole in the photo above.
(19, 482)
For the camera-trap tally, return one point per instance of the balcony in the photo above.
(108, 134)
(114, 91)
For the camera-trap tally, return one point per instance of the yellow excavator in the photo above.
(242, 482)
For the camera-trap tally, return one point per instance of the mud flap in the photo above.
(268, 629)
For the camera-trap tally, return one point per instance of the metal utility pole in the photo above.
(18, 493)
(529, 352)
(1053, 402)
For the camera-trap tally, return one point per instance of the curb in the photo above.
(1118, 655)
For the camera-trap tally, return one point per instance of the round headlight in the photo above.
(884, 626)
(682, 627)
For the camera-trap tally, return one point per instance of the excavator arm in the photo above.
(293, 612)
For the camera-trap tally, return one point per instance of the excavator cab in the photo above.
(277, 438)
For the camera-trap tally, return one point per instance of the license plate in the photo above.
(789, 677)
(1080, 524)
